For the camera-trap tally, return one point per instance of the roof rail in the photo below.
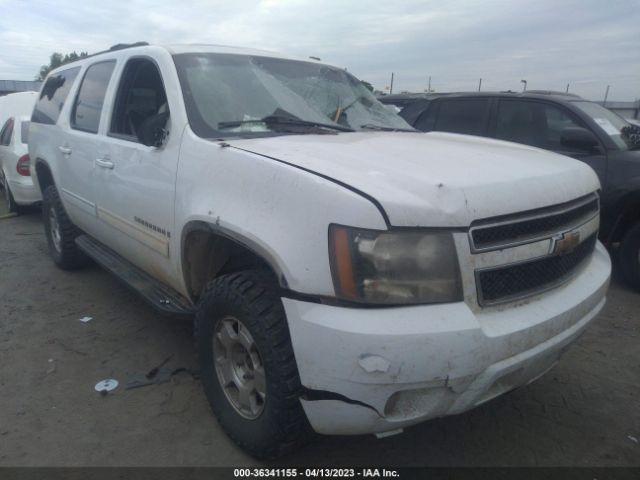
(122, 46)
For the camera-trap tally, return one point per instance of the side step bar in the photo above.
(160, 296)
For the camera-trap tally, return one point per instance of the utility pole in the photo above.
(480, 85)
(524, 83)
(429, 87)
(567, 88)
(391, 87)
(606, 94)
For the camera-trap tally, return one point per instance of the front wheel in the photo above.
(630, 256)
(248, 369)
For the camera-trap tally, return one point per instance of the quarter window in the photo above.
(466, 116)
(53, 95)
(88, 106)
(532, 123)
(5, 134)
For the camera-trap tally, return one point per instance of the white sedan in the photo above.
(15, 174)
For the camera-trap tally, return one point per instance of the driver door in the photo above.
(540, 124)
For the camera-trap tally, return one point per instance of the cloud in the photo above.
(587, 43)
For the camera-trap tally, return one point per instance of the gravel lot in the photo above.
(584, 412)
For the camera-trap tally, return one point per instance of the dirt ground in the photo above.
(584, 413)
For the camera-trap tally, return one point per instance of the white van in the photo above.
(347, 274)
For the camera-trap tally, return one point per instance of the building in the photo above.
(624, 109)
(13, 86)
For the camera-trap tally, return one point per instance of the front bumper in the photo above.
(376, 370)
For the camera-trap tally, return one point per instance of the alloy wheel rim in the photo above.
(239, 367)
(54, 226)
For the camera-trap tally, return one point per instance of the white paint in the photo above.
(266, 192)
(456, 355)
(373, 363)
(17, 106)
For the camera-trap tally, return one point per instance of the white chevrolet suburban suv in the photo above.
(347, 274)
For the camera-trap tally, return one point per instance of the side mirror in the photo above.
(152, 131)
(578, 138)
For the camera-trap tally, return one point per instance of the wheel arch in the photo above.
(208, 251)
(43, 174)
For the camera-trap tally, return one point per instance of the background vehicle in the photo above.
(347, 274)
(562, 123)
(15, 176)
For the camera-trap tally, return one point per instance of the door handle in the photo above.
(104, 163)
(64, 150)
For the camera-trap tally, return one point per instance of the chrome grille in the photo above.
(511, 230)
(508, 282)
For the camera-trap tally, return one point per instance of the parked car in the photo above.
(562, 123)
(15, 176)
(347, 274)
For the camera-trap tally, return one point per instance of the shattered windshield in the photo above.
(243, 95)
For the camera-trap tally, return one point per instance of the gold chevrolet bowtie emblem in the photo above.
(566, 243)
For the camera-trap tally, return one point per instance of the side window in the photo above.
(427, 119)
(466, 116)
(5, 134)
(532, 123)
(87, 108)
(53, 95)
(141, 100)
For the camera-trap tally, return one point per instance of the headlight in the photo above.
(385, 268)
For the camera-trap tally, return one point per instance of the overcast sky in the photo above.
(587, 43)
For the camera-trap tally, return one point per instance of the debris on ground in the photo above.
(156, 375)
(52, 366)
(86, 319)
(105, 386)
(633, 439)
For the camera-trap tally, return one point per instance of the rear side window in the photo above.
(5, 133)
(87, 108)
(466, 116)
(53, 95)
(24, 132)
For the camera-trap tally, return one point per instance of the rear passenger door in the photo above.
(540, 124)
(83, 146)
(469, 116)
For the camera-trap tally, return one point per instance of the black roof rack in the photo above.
(113, 48)
(122, 46)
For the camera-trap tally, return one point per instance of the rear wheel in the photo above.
(60, 232)
(629, 256)
(248, 369)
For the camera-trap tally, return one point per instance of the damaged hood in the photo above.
(435, 179)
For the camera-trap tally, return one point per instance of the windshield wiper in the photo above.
(276, 120)
(371, 126)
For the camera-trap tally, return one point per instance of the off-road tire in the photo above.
(628, 257)
(252, 297)
(68, 256)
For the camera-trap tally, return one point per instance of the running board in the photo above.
(160, 296)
